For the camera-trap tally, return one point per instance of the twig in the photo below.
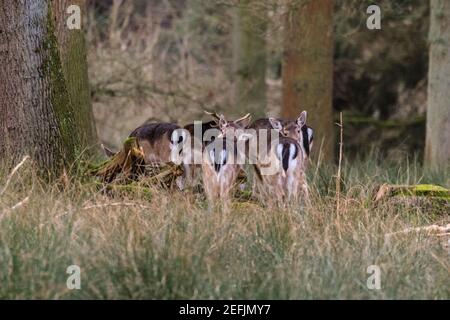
(433, 229)
(115, 204)
(319, 161)
(339, 173)
(21, 203)
(14, 207)
(13, 172)
(103, 205)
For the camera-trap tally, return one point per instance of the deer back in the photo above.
(287, 178)
(157, 141)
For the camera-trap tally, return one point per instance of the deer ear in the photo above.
(276, 124)
(301, 120)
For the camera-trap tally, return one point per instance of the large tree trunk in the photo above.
(45, 107)
(249, 58)
(307, 70)
(437, 150)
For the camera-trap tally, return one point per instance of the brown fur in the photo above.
(287, 128)
(219, 184)
(192, 170)
(154, 139)
(285, 186)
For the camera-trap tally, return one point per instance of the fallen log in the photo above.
(421, 190)
(128, 165)
(431, 198)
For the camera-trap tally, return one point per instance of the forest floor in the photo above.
(166, 245)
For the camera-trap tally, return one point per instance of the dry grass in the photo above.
(162, 244)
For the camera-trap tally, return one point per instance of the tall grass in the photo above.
(169, 246)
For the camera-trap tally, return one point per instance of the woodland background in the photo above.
(170, 60)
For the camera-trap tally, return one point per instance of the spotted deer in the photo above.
(223, 161)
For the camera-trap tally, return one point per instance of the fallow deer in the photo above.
(157, 141)
(193, 155)
(202, 132)
(229, 127)
(161, 143)
(223, 160)
(296, 129)
(299, 137)
(286, 182)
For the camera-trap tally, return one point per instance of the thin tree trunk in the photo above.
(307, 70)
(437, 149)
(249, 58)
(45, 108)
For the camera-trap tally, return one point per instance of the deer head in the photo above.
(297, 130)
(229, 127)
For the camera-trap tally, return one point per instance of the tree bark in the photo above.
(307, 69)
(437, 148)
(45, 108)
(72, 46)
(249, 58)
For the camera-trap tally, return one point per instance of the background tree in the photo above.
(307, 70)
(45, 107)
(437, 150)
(249, 57)
(381, 88)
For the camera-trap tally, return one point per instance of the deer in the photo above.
(197, 131)
(160, 143)
(296, 129)
(280, 173)
(193, 154)
(289, 155)
(223, 160)
(158, 140)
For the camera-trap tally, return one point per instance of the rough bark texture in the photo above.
(73, 51)
(437, 149)
(307, 70)
(249, 58)
(45, 108)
